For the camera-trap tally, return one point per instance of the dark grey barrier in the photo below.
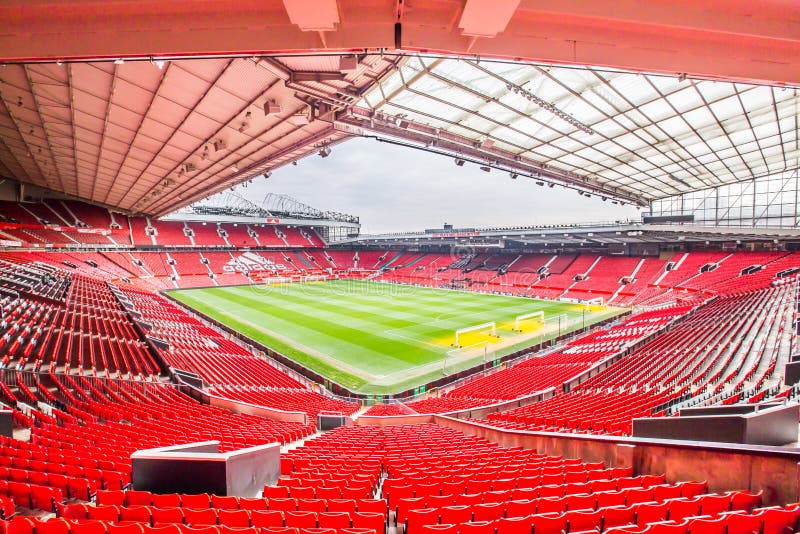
(771, 426)
(200, 468)
(6, 424)
(328, 421)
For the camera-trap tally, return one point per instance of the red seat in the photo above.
(224, 529)
(113, 497)
(161, 529)
(455, 514)
(515, 525)
(276, 492)
(715, 504)
(682, 508)
(740, 522)
(551, 491)
(549, 523)
(610, 498)
(617, 516)
(312, 505)
(519, 508)
(651, 512)
(252, 504)
(372, 505)
(666, 527)
(328, 493)
(420, 516)
(207, 529)
(284, 505)
(434, 529)
(779, 520)
(370, 520)
(21, 525)
(300, 492)
(166, 500)
(336, 520)
(127, 528)
(139, 514)
(300, 519)
(692, 489)
(226, 502)
(166, 515)
(579, 520)
(637, 495)
(74, 511)
(266, 518)
(662, 493)
(196, 501)
(278, 530)
(138, 498)
(583, 501)
(653, 480)
(744, 500)
(197, 517)
(53, 526)
(708, 526)
(234, 518)
(477, 527)
(551, 505)
(103, 513)
(88, 527)
(488, 511)
(405, 504)
(342, 505)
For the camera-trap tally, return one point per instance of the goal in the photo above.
(594, 302)
(491, 327)
(524, 317)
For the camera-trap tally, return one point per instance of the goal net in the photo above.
(520, 319)
(489, 329)
(460, 358)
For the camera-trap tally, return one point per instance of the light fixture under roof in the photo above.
(271, 108)
(324, 152)
(459, 162)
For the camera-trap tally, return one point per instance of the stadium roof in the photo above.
(109, 109)
(649, 135)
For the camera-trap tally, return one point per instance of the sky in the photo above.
(392, 188)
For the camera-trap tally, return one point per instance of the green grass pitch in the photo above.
(382, 338)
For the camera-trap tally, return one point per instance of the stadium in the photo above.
(178, 357)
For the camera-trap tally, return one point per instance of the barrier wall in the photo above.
(243, 407)
(776, 425)
(199, 468)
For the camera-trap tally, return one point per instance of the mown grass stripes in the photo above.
(355, 331)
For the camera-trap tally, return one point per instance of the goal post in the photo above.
(526, 316)
(491, 326)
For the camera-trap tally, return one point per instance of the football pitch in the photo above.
(380, 338)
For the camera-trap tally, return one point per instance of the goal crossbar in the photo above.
(525, 316)
(490, 325)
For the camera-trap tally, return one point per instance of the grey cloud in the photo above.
(393, 188)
